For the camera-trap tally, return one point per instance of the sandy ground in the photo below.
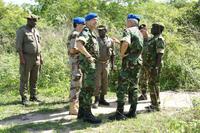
(169, 99)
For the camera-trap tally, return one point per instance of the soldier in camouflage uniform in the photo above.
(106, 58)
(143, 82)
(29, 49)
(131, 50)
(88, 46)
(76, 75)
(156, 47)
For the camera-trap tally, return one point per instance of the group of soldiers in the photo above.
(91, 57)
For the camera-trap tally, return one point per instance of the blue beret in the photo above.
(79, 20)
(90, 16)
(133, 16)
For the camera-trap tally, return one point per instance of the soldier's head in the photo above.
(132, 20)
(102, 30)
(79, 23)
(143, 30)
(31, 20)
(157, 28)
(91, 21)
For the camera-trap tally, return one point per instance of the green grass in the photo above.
(184, 121)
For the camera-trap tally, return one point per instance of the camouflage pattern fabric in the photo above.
(131, 64)
(156, 45)
(88, 69)
(76, 74)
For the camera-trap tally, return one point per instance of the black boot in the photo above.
(90, 118)
(80, 113)
(35, 99)
(102, 101)
(132, 111)
(96, 102)
(25, 101)
(119, 115)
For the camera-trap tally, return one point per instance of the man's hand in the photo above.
(22, 60)
(91, 59)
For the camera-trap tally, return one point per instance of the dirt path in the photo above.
(169, 99)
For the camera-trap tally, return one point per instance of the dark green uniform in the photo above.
(131, 64)
(88, 69)
(156, 45)
(28, 41)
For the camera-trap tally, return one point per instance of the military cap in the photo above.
(133, 16)
(102, 27)
(32, 16)
(158, 24)
(90, 16)
(79, 20)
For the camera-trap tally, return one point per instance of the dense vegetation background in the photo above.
(182, 20)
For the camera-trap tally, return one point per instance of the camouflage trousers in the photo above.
(102, 72)
(29, 73)
(149, 79)
(143, 80)
(128, 83)
(88, 85)
(154, 85)
(75, 83)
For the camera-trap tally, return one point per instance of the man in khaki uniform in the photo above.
(76, 75)
(29, 49)
(106, 58)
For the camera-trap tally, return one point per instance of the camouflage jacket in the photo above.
(135, 40)
(90, 42)
(155, 45)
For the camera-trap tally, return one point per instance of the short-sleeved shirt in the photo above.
(106, 48)
(134, 38)
(71, 43)
(89, 40)
(91, 45)
(28, 41)
(155, 45)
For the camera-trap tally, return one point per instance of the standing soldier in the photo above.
(156, 47)
(131, 50)
(88, 46)
(29, 49)
(106, 51)
(143, 82)
(76, 76)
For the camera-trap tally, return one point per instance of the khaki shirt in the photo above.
(106, 48)
(28, 41)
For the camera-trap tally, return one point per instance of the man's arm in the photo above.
(82, 49)
(19, 44)
(123, 49)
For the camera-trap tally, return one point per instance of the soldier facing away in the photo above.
(88, 46)
(106, 58)
(29, 49)
(76, 75)
(131, 50)
(156, 47)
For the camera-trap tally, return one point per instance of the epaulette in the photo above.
(74, 34)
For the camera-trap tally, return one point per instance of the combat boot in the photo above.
(90, 118)
(25, 101)
(102, 101)
(35, 99)
(119, 115)
(96, 102)
(73, 108)
(132, 111)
